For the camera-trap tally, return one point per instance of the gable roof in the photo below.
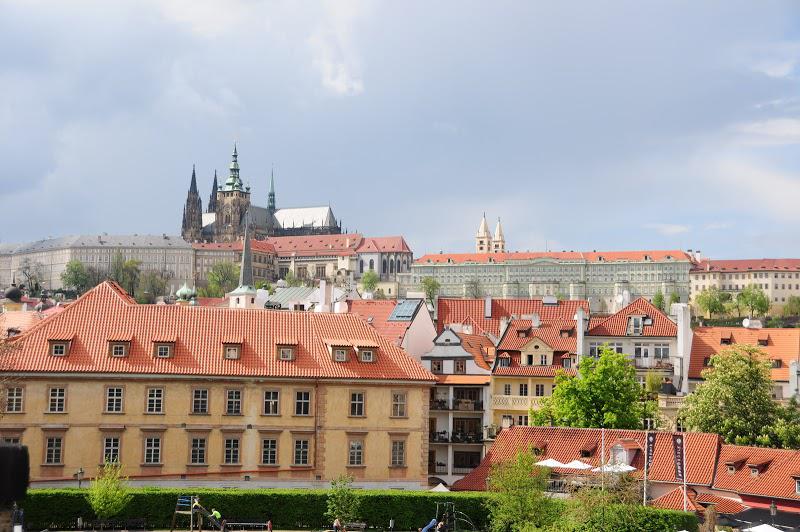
(782, 344)
(617, 323)
(746, 265)
(565, 445)
(316, 245)
(305, 217)
(697, 502)
(261, 246)
(480, 347)
(383, 244)
(458, 311)
(776, 478)
(107, 312)
(550, 332)
(376, 313)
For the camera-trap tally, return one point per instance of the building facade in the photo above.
(230, 201)
(216, 396)
(264, 258)
(778, 278)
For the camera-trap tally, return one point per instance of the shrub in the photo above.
(108, 493)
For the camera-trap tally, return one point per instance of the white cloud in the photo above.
(777, 60)
(333, 49)
(774, 131)
(668, 229)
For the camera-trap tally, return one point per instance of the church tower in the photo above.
(212, 198)
(482, 237)
(245, 294)
(192, 213)
(499, 240)
(233, 201)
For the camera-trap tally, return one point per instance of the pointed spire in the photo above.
(498, 231)
(193, 186)
(246, 272)
(271, 197)
(212, 199)
(234, 182)
(483, 230)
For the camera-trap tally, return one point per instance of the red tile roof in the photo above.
(107, 312)
(314, 245)
(517, 369)
(376, 312)
(261, 246)
(565, 445)
(782, 344)
(571, 256)
(384, 244)
(459, 311)
(550, 332)
(464, 379)
(480, 347)
(617, 323)
(745, 265)
(697, 502)
(774, 478)
(20, 320)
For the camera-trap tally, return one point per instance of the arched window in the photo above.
(398, 265)
(227, 218)
(371, 264)
(361, 266)
(391, 266)
(405, 264)
(384, 266)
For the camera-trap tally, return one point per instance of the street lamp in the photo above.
(79, 476)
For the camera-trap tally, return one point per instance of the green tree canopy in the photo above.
(792, 306)
(431, 287)
(152, 285)
(222, 278)
(674, 297)
(658, 300)
(735, 399)
(342, 502)
(76, 277)
(520, 501)
(711, 301)
(292, 280)
(606, 394)
(125, 272)
(369, 280)
(108, 493)
(754, 299)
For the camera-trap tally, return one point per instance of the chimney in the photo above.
(681, 369)
(324, 296)
(487, 307)
(580, 319)
(536, 322)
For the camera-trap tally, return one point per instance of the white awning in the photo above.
(614, 468)
(550, 463)
(577, 464)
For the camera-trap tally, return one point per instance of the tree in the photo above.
(710, 302)
(152, 285)
(33, 272)
(735, 399)
(792, 306)
(108, 493)
(125, 272)
(431, 287)
(222, 278)
(605, 395)
(473, 289)
(658, 300)
(754, 299)
(265, 285)
(674, 298)
(520, 500)
(342, 501)
(95, 275)
(369, 280)
(292, 280)
(75, 276)
(734, 305)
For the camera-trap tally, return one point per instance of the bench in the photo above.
(355, 526)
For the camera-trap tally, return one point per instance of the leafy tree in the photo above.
(33, 272)
(265, 285)
(369, 280)
(734, 305)
(754, 299)
(735, 399)
(520, 500)
(431, 287)
(658, 300)
(378, 294)
(95, 275)
(76, 277)
(342, 501)
(710, 301)
(674, 298)
(108, 494)
(606, 394)
(473, 289)
(292, 280)
(792, 306)
(152, 285)
(223, 278)
(125, 272)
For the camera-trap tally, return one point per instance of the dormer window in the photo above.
(367, 355)
(59, 349)
(285, 352)
(118, 349)
(776, 363)
(232, 351)
(340, 354)
(635, 325)
(753, 471)
(707, 362)
(585, 453)
(725, 339)
(797, 485)
(163, 350)
(731, 469)
(505, 362)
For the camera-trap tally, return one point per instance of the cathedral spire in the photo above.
(234, 182)
(271, 197)
(246, 272)
(193, 186)
(212, 199)
(192, 224)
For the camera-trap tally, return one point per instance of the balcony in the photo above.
(460, 405)
(516, 402)
(463, 470)
(444, 436)
(439, 468)
(653, 363)
(670, 402)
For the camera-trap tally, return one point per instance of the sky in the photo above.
(582, 125)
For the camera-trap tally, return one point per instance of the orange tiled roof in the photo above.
(575, 256)
(384, 244)
(774, 479)
(617, 323)
(782, 344)
(550, 332)
(747, 265)
(517, 369)
(479, 346)
(376, 312)
(565, 445)
(107, 312)
(261, 246)
(19, 320)
(314, 245)
(697, 502)
(458, 311)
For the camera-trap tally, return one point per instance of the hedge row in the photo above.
(288, 508)
(304, 509)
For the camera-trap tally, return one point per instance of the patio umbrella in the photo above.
(549, 463)
(577, 464)
(440, 487)
(614, 468)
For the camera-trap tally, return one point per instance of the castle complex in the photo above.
(228, 203)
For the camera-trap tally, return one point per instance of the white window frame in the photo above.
(285, 353)
(340, 355)
(368, 355)
(58, 349)
(155, 397)
(232, 352)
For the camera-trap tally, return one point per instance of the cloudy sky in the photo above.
(583, 125)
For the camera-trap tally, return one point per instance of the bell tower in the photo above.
(192, 213)
(233, 201)
(482, 237)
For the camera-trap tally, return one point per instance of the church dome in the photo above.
(14, 294)
(184, 292)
